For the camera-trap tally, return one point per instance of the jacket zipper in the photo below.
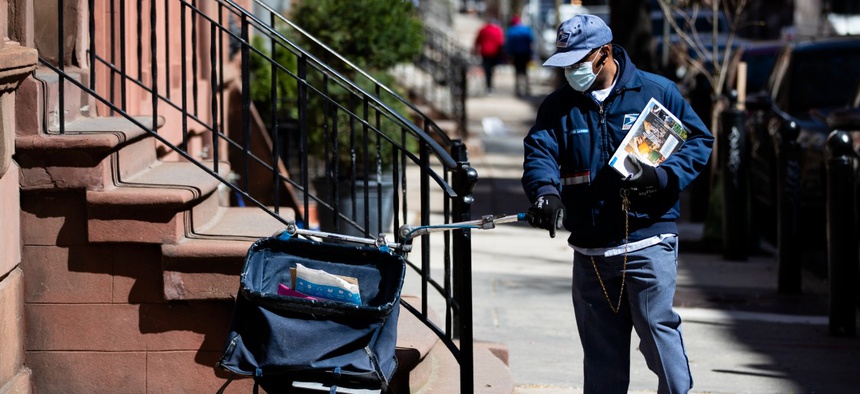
(602, 117)
(601, 123)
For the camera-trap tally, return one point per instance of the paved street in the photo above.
(740, 335)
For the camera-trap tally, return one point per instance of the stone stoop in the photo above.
(132, 265)
(414, 342)
(96, 303)
(130, 195)
(115, 244)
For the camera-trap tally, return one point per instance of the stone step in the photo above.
(414, 342)
(206, 263)
(491, 373)
(158, 205)
(92, 155)
(426, 365)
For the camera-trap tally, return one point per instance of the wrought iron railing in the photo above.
(196, 64)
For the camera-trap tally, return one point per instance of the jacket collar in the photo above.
(627, 78)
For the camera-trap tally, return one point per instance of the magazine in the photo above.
(655, 135)
(321, 284)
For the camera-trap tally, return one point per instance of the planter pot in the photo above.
(351, 204)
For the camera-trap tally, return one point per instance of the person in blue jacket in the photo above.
(622, 229)
(518, 45)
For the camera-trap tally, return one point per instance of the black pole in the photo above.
(153, 62)
(787, 202)
(61, 45)
(733, 153)
(842, 252)
(463, 182)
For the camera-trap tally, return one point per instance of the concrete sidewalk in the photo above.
(741, 336)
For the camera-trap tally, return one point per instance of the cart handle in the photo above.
(488, 222)
(380, 241)
(406, 231)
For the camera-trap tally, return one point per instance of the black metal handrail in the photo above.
(190, 63)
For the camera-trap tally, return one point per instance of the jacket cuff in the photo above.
(546, 190)
(662, 177)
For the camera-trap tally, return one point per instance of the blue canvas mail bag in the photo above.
(280, 339)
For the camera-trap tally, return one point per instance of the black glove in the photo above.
(643, 177)
(547, 213)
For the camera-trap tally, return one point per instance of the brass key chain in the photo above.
(625, 206)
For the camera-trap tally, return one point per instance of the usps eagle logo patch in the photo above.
(629, 119)
(563, 38)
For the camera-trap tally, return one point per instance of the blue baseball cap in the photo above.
(576, 37)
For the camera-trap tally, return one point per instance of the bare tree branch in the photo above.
(692, 51)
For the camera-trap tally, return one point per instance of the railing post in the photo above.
(842, 244)
(61, 44)
(787, 202)
(463, 181)
(733, 154)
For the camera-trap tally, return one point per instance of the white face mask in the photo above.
(580, 76)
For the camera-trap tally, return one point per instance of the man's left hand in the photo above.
(643, 178)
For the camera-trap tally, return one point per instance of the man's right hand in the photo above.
(547, 213)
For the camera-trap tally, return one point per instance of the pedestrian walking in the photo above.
(518, 45)
(622, 230)
(489, 44)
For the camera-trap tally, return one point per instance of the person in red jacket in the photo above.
(489, 44)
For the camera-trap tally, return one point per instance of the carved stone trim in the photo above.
(16, 64)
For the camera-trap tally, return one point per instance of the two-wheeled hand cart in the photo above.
(289, 343)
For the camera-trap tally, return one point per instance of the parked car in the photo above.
(759, 57)
(809, 80)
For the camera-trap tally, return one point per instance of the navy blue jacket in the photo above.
(567, 151)
(518, 40)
